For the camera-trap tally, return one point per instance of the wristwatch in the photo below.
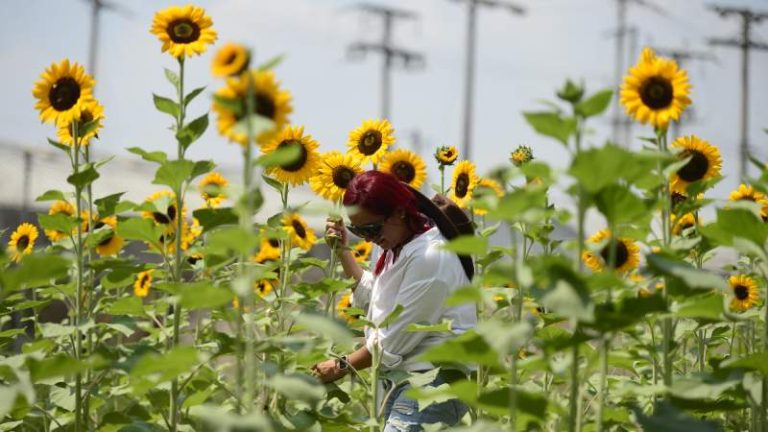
(342, 363)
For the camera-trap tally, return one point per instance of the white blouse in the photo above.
(420, 280)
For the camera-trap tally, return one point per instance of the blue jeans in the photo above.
(402, 414)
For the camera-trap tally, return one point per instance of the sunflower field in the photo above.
(210, 318)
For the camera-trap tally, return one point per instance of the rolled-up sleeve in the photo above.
(421, 294)
(361, 297)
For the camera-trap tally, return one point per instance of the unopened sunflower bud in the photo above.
(521, 156)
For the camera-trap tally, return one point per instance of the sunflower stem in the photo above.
(442, 179)
(604, 351)
(79, 282)
(91, 284)
(661, 136)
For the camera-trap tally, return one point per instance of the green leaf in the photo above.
(298, 387)
(708, 307)
(468, 347)
(191, 95)
(131, 306)
(152, 369)
(441, 327)
(259, 124)
(233, 105)
(192, 131)
(60, 365)
(155, 156)
(736, 223)
(497, 402)
(595, 104)
(468, 245)
(107, 205)
(166, 105)
(172, 78)
(51, 195)
(282, 156)
(210, 218)
(504, 338)
(620, 205)
(234, 239)
(139, 229)
(756, 361)
(59, 145)
(685, 272)
(57, 222)
(596, 168)
(626, 312)
(84, 177)
(552, 125)
(568, 301)
(202, 167)
(702, 386)
(276, 185)
(272, 63)
(201, 295)
(325, 327)
(174, 173)
(667, 418)
(36, 270)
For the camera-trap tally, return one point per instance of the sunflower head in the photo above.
(185, 31)
(362, 251)
(111, 244)
(463, 183)
(22, 241)
(88, 126)
(62, 92)
(304, 166)
(263, 287)
(342, 307)
(748, 193)
(627, 253)
(301, 235)
(521, 156)
(407, 166)
(335, 172)
(487, 186)
(269, 101)
(655, 90)
(212, 189)
(269, 249)
(679, 225)
(704, 162)
(230, 60)
(164, 212)
(59, 207)
(370, 141)
(446, 155)
(745, 292)
(142, 283)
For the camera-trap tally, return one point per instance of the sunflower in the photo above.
(370, 141)
(362, 251)
(745, 293)
(491, 186)
(627, 253)
(269, 249)
(446, 155)
(300, 234)
(463, 183)
(521, 156)
(407, 166)
(211, 188)
(748, 193)
(300, 170)
(263, 287)
(230, 60)
(111, 244)
(143, 283)
(688, 220)
(22, 241)
(268, 99)
(91, 111)
(344, 303)
(655, 90)
(705, 162)
(59, 207)
(165, 212)
(62, 92)
(184, 30)
(334, 174)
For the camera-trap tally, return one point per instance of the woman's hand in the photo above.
(327, 371)
(336, 233)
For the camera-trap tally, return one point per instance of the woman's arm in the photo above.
(335, 231)
(329, 370)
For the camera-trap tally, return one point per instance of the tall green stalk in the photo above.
(666, 210)
(574, 413)
(79, 280)
(246, 224)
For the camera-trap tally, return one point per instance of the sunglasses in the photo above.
(367, 231)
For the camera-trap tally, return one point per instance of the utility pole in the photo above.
(93, 42)
(621, 31)
(469, 66)
(745, 42)
(389, 52)
(682, 56)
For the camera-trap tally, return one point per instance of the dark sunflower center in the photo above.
(161, 218)
(448, 154)
(23, 242)
(265, 106)
(230, 58)
(622, 254)
(144, 281)
(404, 171)
(677, 199)
(274, 243)
(183, 31)
(342, 176)
(262, 287)
(359, 253)
(107, 239)
(300, 161)
(741, 292)
(696, 168)
(370, 142)
(462, 185)
(299, 228)
(64, 94)
(657, 93)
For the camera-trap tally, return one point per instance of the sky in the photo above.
(521, 61)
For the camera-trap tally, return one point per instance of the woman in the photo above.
(413, 271)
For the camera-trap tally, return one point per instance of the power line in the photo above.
(469, 75)
(390, 52)
(746, 43)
